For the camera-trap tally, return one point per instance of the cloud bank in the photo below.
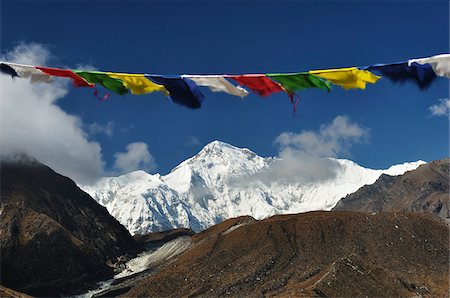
(31, 123)
(136, 157)
(304, 157)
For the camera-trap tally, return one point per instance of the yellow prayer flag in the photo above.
(137, 83)
(347, 78)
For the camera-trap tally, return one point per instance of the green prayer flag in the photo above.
(292, 82)
(96, 77)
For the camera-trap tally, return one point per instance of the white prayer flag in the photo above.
(439, 63)
(217, 84)
(28, 71)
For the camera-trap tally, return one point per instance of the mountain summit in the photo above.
(220, 182)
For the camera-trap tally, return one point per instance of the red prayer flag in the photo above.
(258, 83)
(65, 73)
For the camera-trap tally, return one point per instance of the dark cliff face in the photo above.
(425, 189)
(54, 237)
(316, 254)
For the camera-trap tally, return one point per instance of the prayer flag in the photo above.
(6, 69)
(137, 83)
(292, 82)
(182, 91)
(258, 83)
(96, 77)
(347, 78)
(422, 75)
(439, 63)
(27, 71)
(65, 73)
(217, 84)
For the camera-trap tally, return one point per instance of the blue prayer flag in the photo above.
(421, 74)
(182, 91)
(6, 69)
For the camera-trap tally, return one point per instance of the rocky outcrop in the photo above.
(54, 238)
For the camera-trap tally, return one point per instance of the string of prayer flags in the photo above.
(184, 89)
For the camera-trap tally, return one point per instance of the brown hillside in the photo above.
(337, 254)
(54, 238)
(425, 189)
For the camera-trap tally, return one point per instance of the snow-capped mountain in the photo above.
(220, 182)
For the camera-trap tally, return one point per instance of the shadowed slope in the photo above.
(54, 237)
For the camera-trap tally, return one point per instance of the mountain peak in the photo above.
(212, 166)
(221, 150)
(217, 146)
(217, 143)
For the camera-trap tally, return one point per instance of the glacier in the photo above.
(222, 182)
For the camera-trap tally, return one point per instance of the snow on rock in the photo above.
(146, 259)
(215, 185)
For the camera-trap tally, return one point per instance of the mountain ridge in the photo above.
(220, 182)
(424, 190)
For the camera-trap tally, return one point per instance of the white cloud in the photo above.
(304, 157)
(96, 128)
(85, 67)
(32, 123)
(136, 157)
(193, 141)
(28, 53)
(331, 139)
(442, 108)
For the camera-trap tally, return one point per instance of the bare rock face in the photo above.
(425, 189)
(54, 238)
(325, 254)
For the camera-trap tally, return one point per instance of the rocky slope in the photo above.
(10, 293)
(320, 254)
(220, 182)
(425, 189)
(54, 238)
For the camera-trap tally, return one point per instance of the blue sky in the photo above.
(214, 37)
